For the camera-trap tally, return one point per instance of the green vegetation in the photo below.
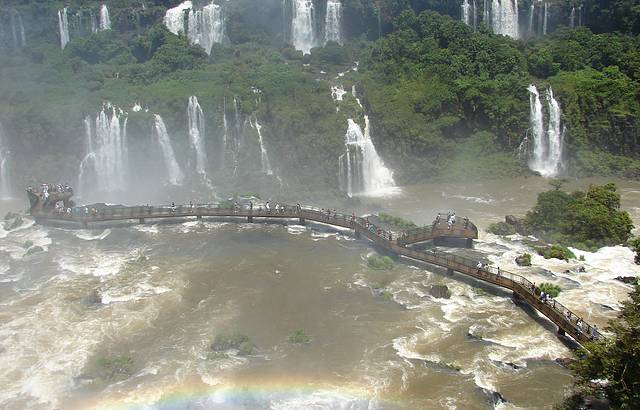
(555, 252)
(524, 259)
(615, 360)
(27, 244)
(238, 341)
(380, 262)
(213, 356)
(299, 337)
(550, 289)
(585, 220)
(109, 369)
(635, 245)
(396, 221)
(501, 228)
(12, 224)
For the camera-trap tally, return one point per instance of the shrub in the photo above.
(299, 337)
(501, 228)
(524, 259)
(396, 221)
(380, 262)
(550, 289)
(106, 370)
(212, 356)
(224, 342)
(555, 252)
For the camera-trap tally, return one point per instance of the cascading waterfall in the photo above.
(547, 144)
(504, 17)
(106, 152)
(63, 25)
(105, 21)
(206, 26)
(174, 172)
(302, 26)
(580, 15)
(237, 135)
(572, 17)
(545, 19)
(532, 10)
(5, 188)
(486, 13)
(174, 17)
(333, 21)
(264, 156)
(197, 135)
(361, 170)
(466, 12)
(17, 31)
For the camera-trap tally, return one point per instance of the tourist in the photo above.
(498, 270)
(542, 295)
(594, 332)
(479, 266)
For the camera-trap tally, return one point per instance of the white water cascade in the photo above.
(197, 135)
(572, 17)
(333, 21)
(174, 17)
(504, 17)
(302, 30)
(5, 185)
(466, 12)
(264, 156)
(532, 11)
(545, 19)
(361, 170)
(17, 31)
(174, 172)
(547, 143)
(106, 152)
(206, 26)
(63, 26)
(105, 20)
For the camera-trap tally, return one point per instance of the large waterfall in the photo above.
(197, 135)
(203, 26)
(206, 26)
(264, 156)
(105, 21)
(174, 172)
(547, 143)
(333, 21)
(504, 17)
(174, 18)
(361, 170)
(302, 26)
(545, 20)
(104, 167)
(5, 188)
(17, 31)
(466, 13)
(63, 26)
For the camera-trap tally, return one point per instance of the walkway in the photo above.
(522, 288)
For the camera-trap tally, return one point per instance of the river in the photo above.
(166, 290)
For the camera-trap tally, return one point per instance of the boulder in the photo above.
(524, 260)
(565, 361)
(440, 291)
(629, 280)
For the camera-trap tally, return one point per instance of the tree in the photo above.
(615, 361)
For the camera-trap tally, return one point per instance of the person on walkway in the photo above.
(479, 266)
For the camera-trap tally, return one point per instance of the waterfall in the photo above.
(264, 156)
(572, 17)
(545, 19)
(63, 25)
(5, 187)
(302, 26)
(197, 134)
(361, 170)
(474, 14)
(466, 12)
(580, 15)
(333, 20)
(486, 13)
(531, 13)
(173, 169)
(225, 134)
(206, 26)
(504, 17)
(105, 21)
(17, 31)
(547, 144)
(174, 18)
(106, 152)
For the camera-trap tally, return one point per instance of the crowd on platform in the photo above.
(451, 220)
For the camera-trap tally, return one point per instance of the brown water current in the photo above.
(160, 293)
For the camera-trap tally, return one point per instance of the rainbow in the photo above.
(246, 394)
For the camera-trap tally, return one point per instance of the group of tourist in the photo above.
(45, 190)
(451, 220)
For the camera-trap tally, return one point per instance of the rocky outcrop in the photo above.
(518, 224)
(629, 280)
(524, 260)
(440, 291)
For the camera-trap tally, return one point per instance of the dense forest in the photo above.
(446, 99)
